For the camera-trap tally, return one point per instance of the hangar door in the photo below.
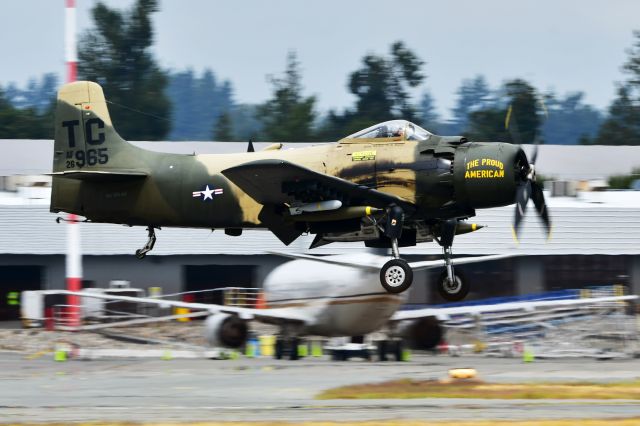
(13, 280)
(207, 277)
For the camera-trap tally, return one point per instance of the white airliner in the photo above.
(332, 296)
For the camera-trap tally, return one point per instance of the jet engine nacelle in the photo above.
(424, 333)
(225, 330)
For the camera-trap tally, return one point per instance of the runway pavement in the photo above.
(264, 389)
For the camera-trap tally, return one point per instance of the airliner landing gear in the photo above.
(288, 347)
(141, 253)
(390, 347)
(396, 275)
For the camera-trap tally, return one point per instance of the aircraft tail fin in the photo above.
(87, 149)
(84, 136)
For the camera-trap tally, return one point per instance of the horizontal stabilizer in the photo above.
(101, 175)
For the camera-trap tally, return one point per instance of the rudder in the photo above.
(84, 136)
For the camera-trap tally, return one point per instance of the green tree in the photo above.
(524, 122)
(570, 121)
(116, 54)
(472, 95)
(223, 130)
(624, 181)
(197, 103)
(38, 94)
(382, 88)
(382, 84)
(24, 123)
(288, 116)
(622, 125)
(245, 122)
(427, 113)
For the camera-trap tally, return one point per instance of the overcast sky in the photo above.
(565, 45)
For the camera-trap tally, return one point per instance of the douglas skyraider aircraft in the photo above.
(391, 185)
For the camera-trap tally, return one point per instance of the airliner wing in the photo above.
(271, 316)
(445, 313)
(376, 262)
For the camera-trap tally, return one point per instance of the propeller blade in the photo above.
(522, 198)
(511, 125)
(541, 206)
(534, 155)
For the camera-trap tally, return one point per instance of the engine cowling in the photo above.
(423, 333)
(225, 330)
(486, 174)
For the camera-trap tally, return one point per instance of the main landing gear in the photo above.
(396, 275)
(451, 286)
(141, 253)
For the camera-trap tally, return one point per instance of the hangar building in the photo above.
(595, 238)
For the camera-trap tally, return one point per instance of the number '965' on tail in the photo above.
(87, 149)
(86, 144)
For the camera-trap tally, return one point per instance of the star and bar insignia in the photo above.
(207, 193)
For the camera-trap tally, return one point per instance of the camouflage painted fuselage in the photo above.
(105, 179)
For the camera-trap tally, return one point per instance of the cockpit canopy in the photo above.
(394, 130)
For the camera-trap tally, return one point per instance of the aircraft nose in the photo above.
(487, 174)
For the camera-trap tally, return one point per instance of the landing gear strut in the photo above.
(451, 286)
(396, 275)
(141, 253)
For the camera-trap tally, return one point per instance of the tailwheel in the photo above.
(396, 276)
(452, 290)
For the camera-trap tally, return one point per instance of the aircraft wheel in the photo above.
(452, 292)
(397, 350)
(293, 355)
(140, 254)
(279, 349)
(382, 350)
(396, 276)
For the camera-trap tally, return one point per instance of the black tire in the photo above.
(396, 276)
(397, 350)
(279, 349)
(456, 293)
(382, 350)
(293, 355)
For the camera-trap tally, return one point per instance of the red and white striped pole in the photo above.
(74, 256)
(70, 49)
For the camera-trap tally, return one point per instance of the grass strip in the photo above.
(408, 388)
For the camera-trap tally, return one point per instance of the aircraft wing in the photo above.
(445, 313)
(275, 182)
(271, 316)
(376, 262)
